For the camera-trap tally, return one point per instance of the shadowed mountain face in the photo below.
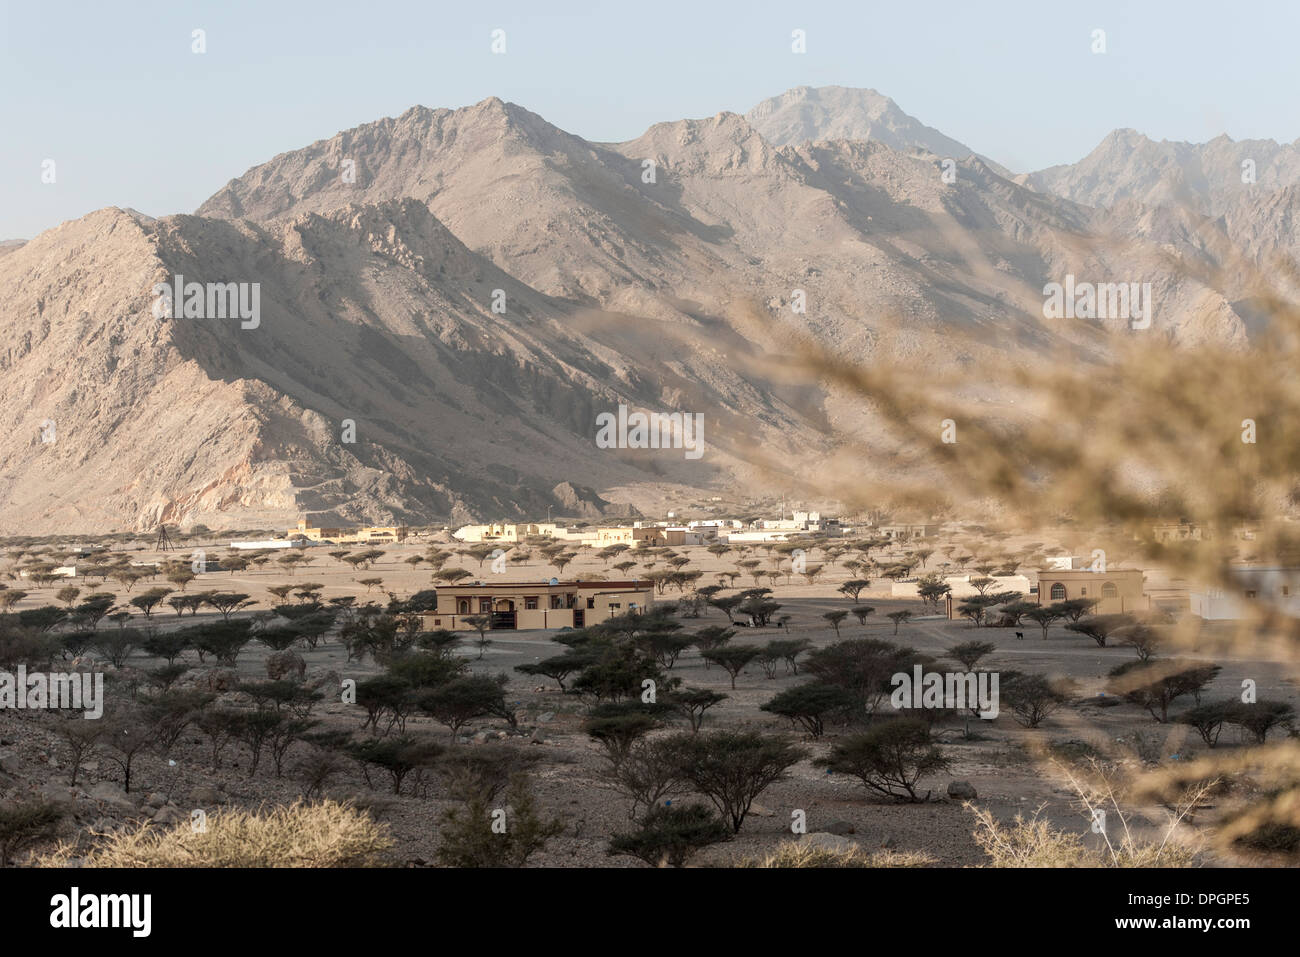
(449, 299)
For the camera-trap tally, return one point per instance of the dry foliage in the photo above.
(796, 854)
(327, 834)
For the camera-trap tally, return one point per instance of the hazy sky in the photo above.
(113, 94)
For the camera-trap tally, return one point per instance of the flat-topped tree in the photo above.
(1155, 685)
(810, 705)
(854, 587)
(450, 576)
(1045, 616)
(1100, 627)
(731, 658)
(228, 602)
(898, 617)
(970, 653)
(835, 617)
(889, 758)
(693, 702)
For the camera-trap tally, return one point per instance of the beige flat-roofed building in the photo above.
(1117, 591)
(532, 605)
(369, 535)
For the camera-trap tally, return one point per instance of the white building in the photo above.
(1252, 585)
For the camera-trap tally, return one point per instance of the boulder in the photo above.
(330, 684)
(106, 792)
(156, 800)
(962, 791)
(284, 664)
(207, 797)
(169, 815)
(58, 793)
(841, 828)
(830, 842)
(218, 680)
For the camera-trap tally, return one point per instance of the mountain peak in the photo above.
(805, 114)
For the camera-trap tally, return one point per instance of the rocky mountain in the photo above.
(1207, 178)
(371, 317)
(449, 298)
(808, 114)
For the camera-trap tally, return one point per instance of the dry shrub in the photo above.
(796, 854)
(1261, 812)
(328, 834)
(1033, 842)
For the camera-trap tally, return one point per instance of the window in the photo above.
(555, 602)
(530, 603)
(591, 603)
(1058, 592)
(615, 606)
(1109, 590)
(1250, 594)
(462, 607)
(1286, 590)
(1083, 590)
(485, 605)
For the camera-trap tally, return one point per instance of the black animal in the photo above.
(1020, 635)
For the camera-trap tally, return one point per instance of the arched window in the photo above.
(1109, 590)
(1058, 592)
(462, 607)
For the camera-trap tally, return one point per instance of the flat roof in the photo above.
(633, 585)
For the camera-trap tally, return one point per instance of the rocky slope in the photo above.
(665, 273)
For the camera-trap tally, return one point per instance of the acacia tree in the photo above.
(463, 699)
(148, 600)
(1100, 627)
(1032, 698)
(1155, 685)
(860, 612)
(672, 835)
(24, 823)
(898, 617)
(1208, 719)
(810, 704)
(693, 702)
(732, 768)
(1258, 718)
(227, 602)
(732, 658)
(889, 758)
(481, 624)
(469, 839)
(1045, 616)
(618, 725)
(969, 653)
(835, 617)
(557, 667)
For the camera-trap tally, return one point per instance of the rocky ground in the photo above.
(991, 762)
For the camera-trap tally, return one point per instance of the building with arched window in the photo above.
(1116, 591)
(524, 605)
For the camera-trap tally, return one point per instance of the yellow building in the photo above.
(1117, 591)
(370, 535)
(526, 605)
